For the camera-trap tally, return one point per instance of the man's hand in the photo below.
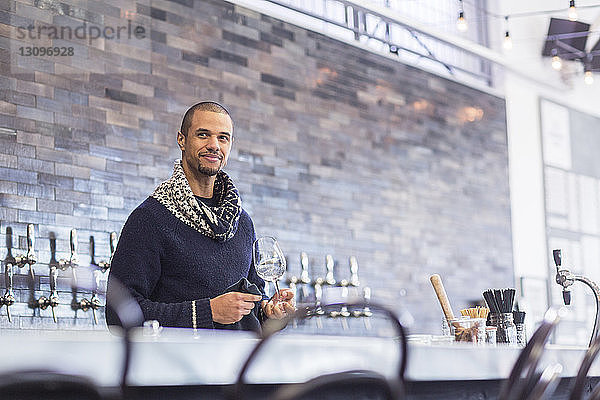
(280, 305)
(232, 306)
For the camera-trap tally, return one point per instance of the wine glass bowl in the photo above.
(269, 260)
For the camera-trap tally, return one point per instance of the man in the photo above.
(185, 251)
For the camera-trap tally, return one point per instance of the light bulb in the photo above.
(507, 41)
(572, 11)
(556, 63)
(588, 77)
(461, 22)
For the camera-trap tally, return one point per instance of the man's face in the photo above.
(205, 146)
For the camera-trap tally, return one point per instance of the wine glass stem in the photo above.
(277, 290)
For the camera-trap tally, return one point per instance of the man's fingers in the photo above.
(285, 295)
(288, 308)
(277, 312)
(247, 297)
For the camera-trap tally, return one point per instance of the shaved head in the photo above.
(211, 106)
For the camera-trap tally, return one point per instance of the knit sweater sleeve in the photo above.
(136, 263)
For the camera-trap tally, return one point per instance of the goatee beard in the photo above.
(209, 171)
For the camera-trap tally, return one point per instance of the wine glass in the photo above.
(269, 260)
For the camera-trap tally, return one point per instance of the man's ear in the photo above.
(181, 140)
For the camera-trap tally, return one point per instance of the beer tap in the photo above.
(566, 278)
(366, 311)
(29, 258)
(354, 272)
(304, 276)
(9, 261)
(52, 300)
(103, 265)
(92, 303)
(301, 282)
(73, 260)
(329, 264)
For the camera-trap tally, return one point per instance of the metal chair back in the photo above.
(353, 380)
(524, 381)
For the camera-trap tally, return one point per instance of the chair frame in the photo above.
(517, 387)
(396, 387)
(584, 368)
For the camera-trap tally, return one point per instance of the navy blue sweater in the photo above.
(166, 265)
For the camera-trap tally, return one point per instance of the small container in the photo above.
(507, 331)
(468, 330)
(519, 318)
(446, 326)
(521, 335)
(490, 335)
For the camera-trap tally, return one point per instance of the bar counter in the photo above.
(210, 360)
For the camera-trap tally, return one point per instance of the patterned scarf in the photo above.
(220, 222)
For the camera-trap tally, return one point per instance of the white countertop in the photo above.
(180, 357)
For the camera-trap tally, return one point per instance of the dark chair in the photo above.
(51, 385)
(524, 381)
(346, 384)
(584, 368)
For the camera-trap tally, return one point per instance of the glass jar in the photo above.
(468, 330)
(521, 335)
(490, 335)
(507, 331)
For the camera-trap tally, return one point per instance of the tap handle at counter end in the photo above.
(557, 255)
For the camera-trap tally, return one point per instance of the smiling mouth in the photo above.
(211, 157)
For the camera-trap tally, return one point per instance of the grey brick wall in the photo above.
(337, 150)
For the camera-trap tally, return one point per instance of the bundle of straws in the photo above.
(475, 312)
(500, 301)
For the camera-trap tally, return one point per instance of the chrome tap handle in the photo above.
(53, 262)
(53, 280)
(8, 277)
(304, 275)
(53, 298)
(367, 296)
(329, 264)
(556, 254)
(92, 251)
(9, 257)
(31, 244)
(9, 297)
(319, 296)
(344, 310)
(74, 258)
(97, 275)
(113, 243)
(354, 272)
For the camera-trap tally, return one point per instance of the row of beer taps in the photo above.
(302, 284)
(29, 259)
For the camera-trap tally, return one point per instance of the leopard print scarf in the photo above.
(220, 222)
